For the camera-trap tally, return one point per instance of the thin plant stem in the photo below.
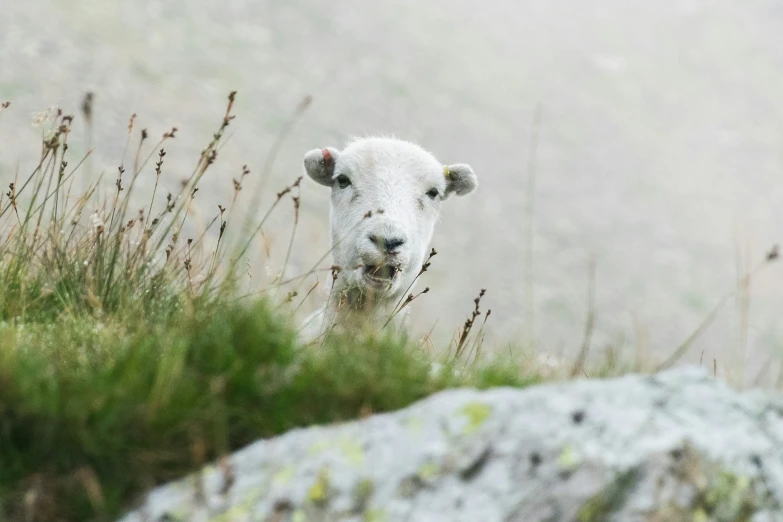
(579, 365)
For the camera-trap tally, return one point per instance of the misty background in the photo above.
(659, 153)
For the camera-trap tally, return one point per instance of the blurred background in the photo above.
(643, 138)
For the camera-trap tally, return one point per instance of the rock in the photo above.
(677, 446)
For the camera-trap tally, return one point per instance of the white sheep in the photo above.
(386, 196)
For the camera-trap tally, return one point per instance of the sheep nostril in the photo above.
(393, 244)
(387, 244)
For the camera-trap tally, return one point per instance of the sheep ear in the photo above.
(319, 164)
(460, 179)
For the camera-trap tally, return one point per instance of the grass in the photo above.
(128, 358)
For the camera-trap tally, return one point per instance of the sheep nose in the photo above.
(390, 244)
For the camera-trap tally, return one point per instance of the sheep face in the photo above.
(386, 197)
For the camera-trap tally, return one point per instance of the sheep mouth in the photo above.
(381, 274)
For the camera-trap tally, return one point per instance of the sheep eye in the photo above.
(343, 181)
(432, 193)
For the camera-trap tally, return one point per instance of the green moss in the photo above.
(375, 515)
(318, 447)
(242, 509)
(728, 497)
(283, 476)
(352, 451)
(428, 471)
(415, 424)
(477, 413)
(699, 515)
(568, 459)
(600, 506)
(362, 494)
(231, 515)
(179, 515)
(319, 491)
(721, 496)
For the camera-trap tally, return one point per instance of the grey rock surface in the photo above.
(671, 447)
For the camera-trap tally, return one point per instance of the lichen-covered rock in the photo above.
(673, 447)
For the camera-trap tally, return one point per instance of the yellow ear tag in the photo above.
(446, 172)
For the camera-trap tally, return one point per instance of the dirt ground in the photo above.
(659, 155)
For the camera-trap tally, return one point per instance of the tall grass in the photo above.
(127, 355)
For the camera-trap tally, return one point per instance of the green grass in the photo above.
(127, 359)
(137, 403)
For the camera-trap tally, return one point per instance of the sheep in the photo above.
(385, 200)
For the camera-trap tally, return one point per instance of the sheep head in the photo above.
(386, 197)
